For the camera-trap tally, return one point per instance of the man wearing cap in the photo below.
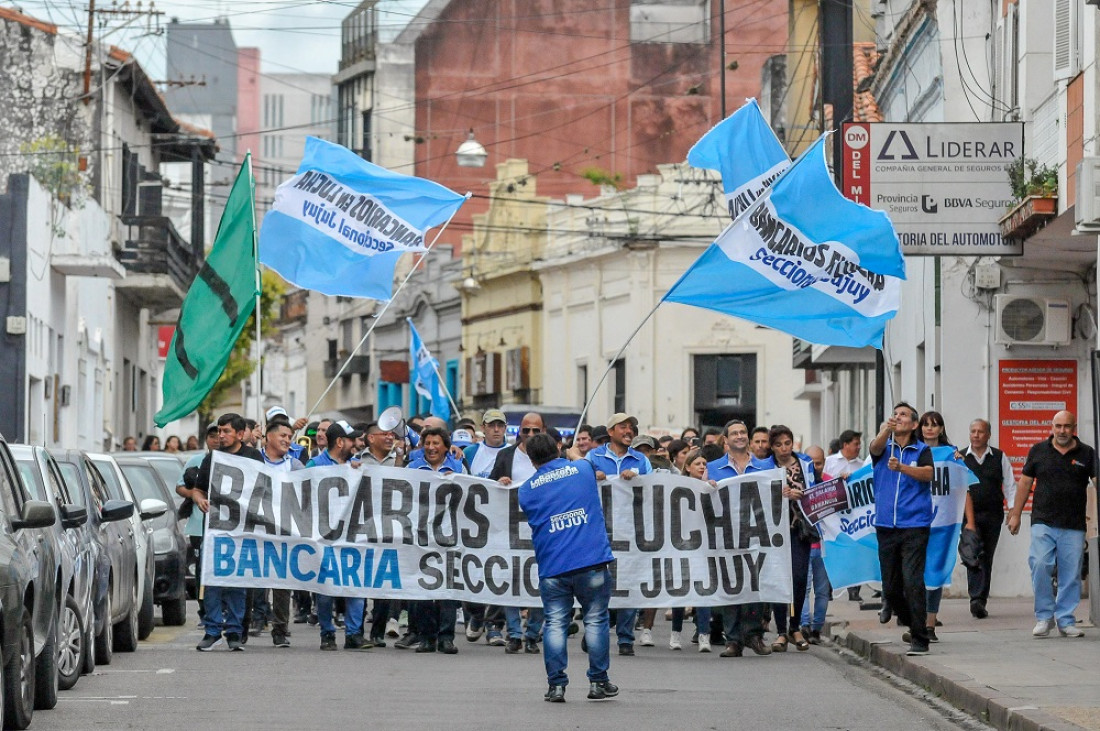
(276, 452)
(618, 459)
(380, 450)
(340, 438)
(482, 456)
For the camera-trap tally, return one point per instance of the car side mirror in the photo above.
(153, 508)
(73, 516)
(116, 510)
(35, 514)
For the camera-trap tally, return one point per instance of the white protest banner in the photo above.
(395, 533)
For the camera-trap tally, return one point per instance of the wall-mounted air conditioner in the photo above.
(1028, 320)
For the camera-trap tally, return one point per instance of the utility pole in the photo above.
(722, 52)
(88, 53)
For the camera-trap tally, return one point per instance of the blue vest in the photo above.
(901, 501)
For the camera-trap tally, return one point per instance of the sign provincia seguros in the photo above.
(396, 533)
(945, 186)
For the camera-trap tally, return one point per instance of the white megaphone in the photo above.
(392, 420)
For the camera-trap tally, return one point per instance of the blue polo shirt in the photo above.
(721, 468)
(450, 464)
(611, 464)
(324, 459)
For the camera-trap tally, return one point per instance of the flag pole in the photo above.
(447, 391)
(257, 374)
(438, 375)
(381, 312)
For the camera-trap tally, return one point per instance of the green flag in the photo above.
(216, 307)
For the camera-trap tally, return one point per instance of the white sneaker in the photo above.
(1070, 630)
(704, 643)
(392, 630)
(674, 641)
(1042, 628)
(647, 638)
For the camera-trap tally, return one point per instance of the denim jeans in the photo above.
(822, 590)
(1050, 548)
(515, 623)
(702, 620)
(223, 610)
(932, 598)
(353, 614)
(624, 625)
(592, 589)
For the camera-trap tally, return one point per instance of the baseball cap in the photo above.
(462, 438)
(276, 411)
(341, 428)
(494, 415)
(212, 426)
(619, 418)
(599, 432)
(554, 434)
(643, 440)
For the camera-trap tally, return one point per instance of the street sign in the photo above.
(944, 186)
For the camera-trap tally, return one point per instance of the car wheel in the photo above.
(45, 671)
(70, 645)
(174, 612)
(105, 640)
(126, 631)
(19, 678)
(145, 617)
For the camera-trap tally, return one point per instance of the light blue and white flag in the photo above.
(341, 223)
(746, 151)
(805, 260)
(425, 376)
(850, 545)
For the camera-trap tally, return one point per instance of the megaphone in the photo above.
(393, 420)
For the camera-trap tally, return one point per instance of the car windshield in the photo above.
(71, 474)
(110, 477)
(146, 486)
(32, 478)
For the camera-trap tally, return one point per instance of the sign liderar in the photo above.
(944, 186)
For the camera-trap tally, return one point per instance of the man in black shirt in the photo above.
(224, 606)
(1061, 468)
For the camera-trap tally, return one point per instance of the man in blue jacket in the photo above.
(903, 472)
(562, 504)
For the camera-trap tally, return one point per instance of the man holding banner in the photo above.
(903, 471)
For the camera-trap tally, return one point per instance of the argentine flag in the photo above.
(425, 375)
(340, 225)
(803, 259)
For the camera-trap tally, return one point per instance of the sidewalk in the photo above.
(991, 668)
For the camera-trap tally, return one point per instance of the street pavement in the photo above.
(166, 684)
(992, 668)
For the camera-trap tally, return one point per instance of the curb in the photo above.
(981, 701)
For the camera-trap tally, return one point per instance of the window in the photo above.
(725, 388)
(669, 21)
(619, 373)
(70, 473)
(582, 384)
(332, 349)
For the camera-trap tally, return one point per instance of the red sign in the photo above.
(857, 163)
(1031, 393)
(164, 339)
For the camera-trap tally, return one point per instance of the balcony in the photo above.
(160, 264)
(359, 364)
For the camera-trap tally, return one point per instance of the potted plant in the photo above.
(1035, 192)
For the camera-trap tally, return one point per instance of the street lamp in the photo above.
(471, 153)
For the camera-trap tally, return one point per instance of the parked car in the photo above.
(170, 545)
(170, 466)
(28, 594)
(109, 525)
(122, 634)
(76, 553)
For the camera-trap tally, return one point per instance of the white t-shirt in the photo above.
(484, 459)
(522, 469)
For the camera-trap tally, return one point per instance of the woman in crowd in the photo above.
(172, 444)
(800, 475)
(192, 443)
(678, 451)
(934, 434)
(695, 465)
(151, 444)
(689, 435)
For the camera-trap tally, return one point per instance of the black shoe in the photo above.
(853, 594)
(627, 650)
(378, 641)
(574, 628)
(584, 644)
(600, 689)
(815, 637)
(426, 646)
(556, 694)
(514, 645)
(695, 638)
(312, 619)
(733, 649)
(447, 647)
(328, 641)
(932, 637)
(407, 641)
(234, 642)
(917, 649)
(356, 642)
(531, 647)
(885, 615)
(756, 644)
(208, 643)
(279, 639)
(300, 618)
(256, 629)
(977, 608)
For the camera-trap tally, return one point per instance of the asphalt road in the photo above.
(166, 684)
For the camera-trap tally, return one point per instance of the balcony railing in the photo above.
(359, 364)
(155, 247)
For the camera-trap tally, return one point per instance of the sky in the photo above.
(293, 35)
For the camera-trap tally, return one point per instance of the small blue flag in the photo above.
(425, 376)
(745, 150)
(805, 260)
(341, 223)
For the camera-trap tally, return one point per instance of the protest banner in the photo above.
(824, 499)
(396, 533)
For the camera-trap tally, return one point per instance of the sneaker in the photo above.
(328, 641)
(1071, 630)
(208, 643)
(234, 642)
(407, 641)
(600, 689)
(647, 638)
(279, 639)
(815, 637)
(977, 609)
(495, 638)
(556, 694)
(474, 630)
(392, 629)
(300, 618)
(312, 620)
(378, 641)
(403, 621)
(514, 645)
(626, 650)
(932, 636)
(704, 644)
(531, 647)
(574, 628)
(339, 621)
(1042, 628)
(426, 646)
(916, 649)
(447, 647)
(356, 642)
(674, 641)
